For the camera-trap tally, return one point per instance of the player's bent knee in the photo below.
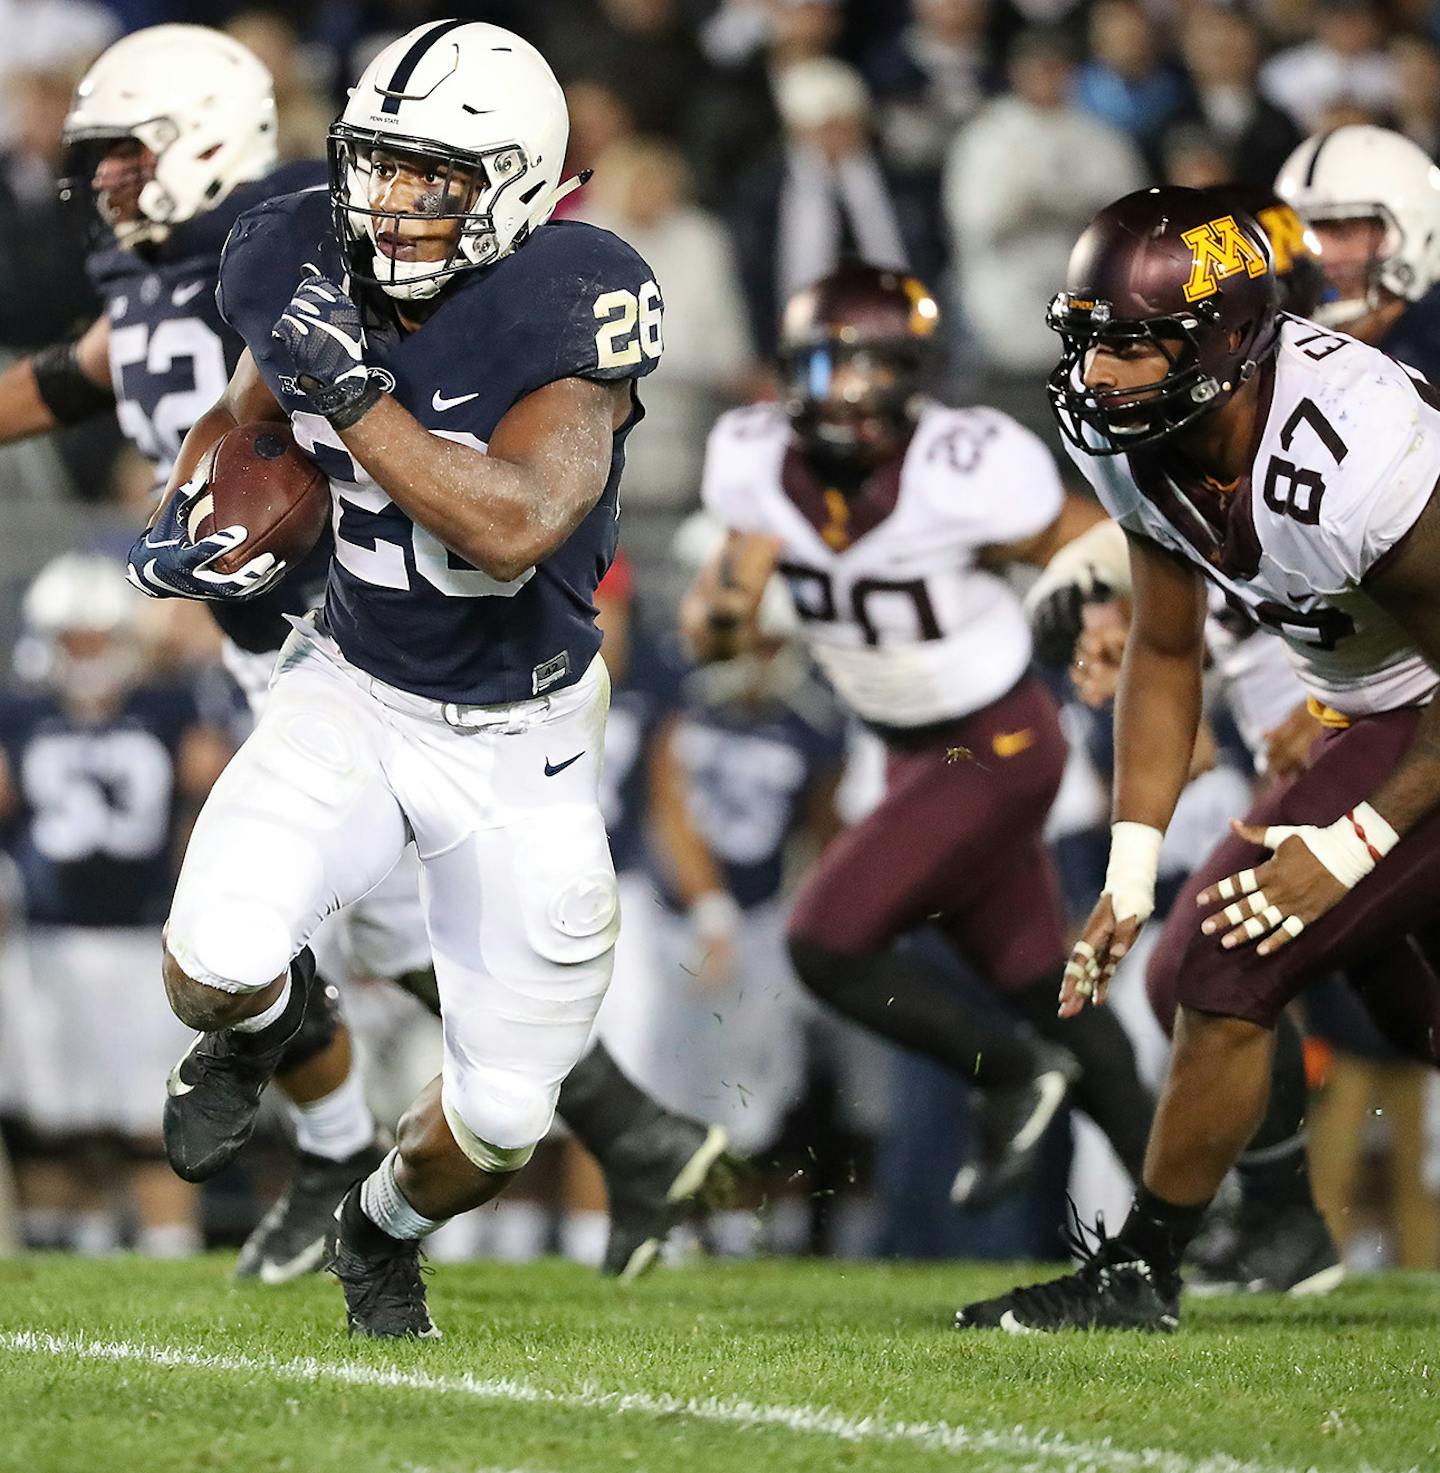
(230, 944)
(820, 969)
(198, 1005)
(497, 1118)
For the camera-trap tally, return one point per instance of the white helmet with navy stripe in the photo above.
(1364, 172)
(470, 96)
(204, 106)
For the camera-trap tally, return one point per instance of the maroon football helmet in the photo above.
(1298, 277)
(1185, 271)
(854, 348)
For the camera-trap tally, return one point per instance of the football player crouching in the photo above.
(1295, 468)
(463, 371)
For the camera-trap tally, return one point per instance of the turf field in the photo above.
(121, 1366)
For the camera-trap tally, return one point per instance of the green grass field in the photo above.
(122, 1366)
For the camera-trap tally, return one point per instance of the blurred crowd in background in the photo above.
(744, 147)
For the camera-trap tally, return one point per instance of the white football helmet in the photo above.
(467, 95)
(80, 594)
(1364, 172)
(202, 103)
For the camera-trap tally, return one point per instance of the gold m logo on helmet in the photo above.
(1219, 249)
(1285, 231)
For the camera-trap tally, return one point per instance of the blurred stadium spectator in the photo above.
(1022, 180)
(1128, 82)
(1345, 62)
(930, 78)
(1221, 47)
(825, 195)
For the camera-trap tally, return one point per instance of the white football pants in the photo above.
(518, 890)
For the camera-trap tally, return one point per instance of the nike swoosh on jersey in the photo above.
(1012, 743)
(183, 294)
(440, 403)
(551, 770)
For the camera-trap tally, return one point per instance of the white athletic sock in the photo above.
(735, 1232)
(95, 1233)
(382, 1201)
(519, 1231)
(270, 1015)
(336, 1125)
(169, 1240)
(583, 1236)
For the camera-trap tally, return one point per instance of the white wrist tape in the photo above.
(1134, 861)
(715, 916)
(1100, 555)
(1349, 848)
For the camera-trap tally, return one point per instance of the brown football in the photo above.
(261, 480)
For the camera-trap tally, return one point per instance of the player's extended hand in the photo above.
(1095, 956)
(165, 563)
(1275, 901)
(1287, 746)
(1095, 670)
(322, 334)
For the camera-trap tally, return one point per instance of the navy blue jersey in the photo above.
(171, 356)
(640, 703)
(94, 836)
(1415, 338)
(748, 775)
(573, 302)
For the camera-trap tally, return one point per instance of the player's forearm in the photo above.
(710, 631)
(500, 516)
(22, 411)
(1157, 714)
(204, 434)
(1413, 788)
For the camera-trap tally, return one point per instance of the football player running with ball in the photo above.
(1295, 468)
(463, 372)
(892, 518)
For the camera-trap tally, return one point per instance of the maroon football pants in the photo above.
(1383, 935)
(957, 841)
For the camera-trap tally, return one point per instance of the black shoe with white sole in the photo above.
(213, 1093)
(290, 1240)
(1270, 1250)
(384, 1292)
(1113, 1289)
(656, 1175)
(1010, 1125)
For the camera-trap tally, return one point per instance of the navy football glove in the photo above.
(165, 563)
(322, 334)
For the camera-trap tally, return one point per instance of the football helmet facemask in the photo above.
(197, 110)
(1179, 270)
(854, 350)
(457, 120)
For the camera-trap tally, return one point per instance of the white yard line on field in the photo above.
(1019, 1445)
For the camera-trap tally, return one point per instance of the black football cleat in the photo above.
(1010, 1125)
(1267, 1250)
(1113, 1289)
(657, 1175)
(384, 1293)
(213, 1093)
(290, 1239)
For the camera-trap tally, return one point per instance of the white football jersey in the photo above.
(1348, 457)
(907, 626)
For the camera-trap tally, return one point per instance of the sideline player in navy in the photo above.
(172, 134)
(463, 372)
(101, 767)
